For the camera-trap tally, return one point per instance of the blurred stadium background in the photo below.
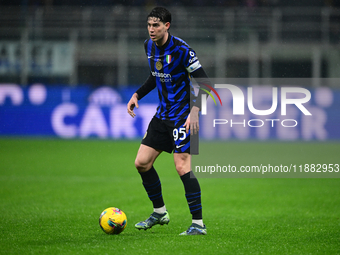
(65, 65)
(67, 70)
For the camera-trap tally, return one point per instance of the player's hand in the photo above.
(192, 122)
(132, 104)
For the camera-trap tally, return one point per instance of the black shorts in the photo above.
(167, 136)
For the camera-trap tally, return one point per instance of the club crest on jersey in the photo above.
(159, 65)
(168, 59)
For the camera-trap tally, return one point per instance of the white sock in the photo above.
(160, 210)
(198, 222)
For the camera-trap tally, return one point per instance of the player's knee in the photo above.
(182, 169)
(142, 166)
(182, 163)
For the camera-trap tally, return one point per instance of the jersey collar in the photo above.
(166, 43)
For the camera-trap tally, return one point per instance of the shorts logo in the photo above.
(145, 134)
(159, 65)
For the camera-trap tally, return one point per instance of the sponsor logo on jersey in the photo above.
(164, 77)
(193, 57)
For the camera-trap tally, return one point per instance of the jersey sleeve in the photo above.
(191, 61)
(204, 82)
(146, 46)
(148, 85)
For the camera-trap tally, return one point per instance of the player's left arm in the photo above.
(195, 69)
(202, 80)
(192, 121)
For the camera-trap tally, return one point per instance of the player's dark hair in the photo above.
(160, 12)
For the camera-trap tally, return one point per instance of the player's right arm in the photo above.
(148, 85)
(132, 104)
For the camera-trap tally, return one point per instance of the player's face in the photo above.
(158, 30)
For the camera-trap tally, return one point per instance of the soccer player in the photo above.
(171, 62)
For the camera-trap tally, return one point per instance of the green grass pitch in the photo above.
(53, 191)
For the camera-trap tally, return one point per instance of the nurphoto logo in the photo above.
(238, 107)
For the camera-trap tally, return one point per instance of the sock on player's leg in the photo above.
(193, 196)
(153, 187)
(160, 210)
(198, 222)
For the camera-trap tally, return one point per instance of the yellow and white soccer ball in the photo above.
(112, 221)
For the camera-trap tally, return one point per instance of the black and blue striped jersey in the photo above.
(170, 66)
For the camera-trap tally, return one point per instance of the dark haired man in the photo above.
(171, 62)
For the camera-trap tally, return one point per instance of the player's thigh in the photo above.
(157, 136)
(145, 158)
(182, 163)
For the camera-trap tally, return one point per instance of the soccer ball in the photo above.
(112, 221)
